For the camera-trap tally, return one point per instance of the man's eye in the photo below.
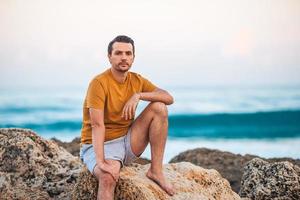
(128, 53)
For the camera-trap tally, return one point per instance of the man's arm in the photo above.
(157, 95)
(98, 133)
(98, 137)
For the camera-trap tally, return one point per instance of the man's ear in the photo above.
(109, 56)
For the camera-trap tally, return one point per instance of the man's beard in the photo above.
(120, 69)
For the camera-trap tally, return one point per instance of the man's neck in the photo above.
(119, 76)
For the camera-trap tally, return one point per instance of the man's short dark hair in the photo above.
(120, 38)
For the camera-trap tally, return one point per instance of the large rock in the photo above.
(190, 182)
(228, 164)
(264, 180)
(34, 168)
(73, 147)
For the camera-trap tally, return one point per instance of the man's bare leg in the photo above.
(106, 183)
(152, 126)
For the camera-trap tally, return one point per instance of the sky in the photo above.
(59, 43)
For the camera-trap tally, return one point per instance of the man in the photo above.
(110, 136)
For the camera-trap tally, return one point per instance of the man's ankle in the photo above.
(156, 170)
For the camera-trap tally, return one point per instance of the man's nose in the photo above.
(124, 57)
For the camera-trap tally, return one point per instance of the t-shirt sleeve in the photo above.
(95, 95)
(147, 85)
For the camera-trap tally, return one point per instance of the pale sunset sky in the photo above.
(63, 43)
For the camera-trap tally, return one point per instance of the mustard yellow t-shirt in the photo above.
(105, 93)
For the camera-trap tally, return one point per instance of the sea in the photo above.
(263, 121)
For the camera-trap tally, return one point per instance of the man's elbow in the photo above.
(170, 100)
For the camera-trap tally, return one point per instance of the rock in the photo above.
(190, 182)
(228, 164)
(142, 161)
(264, 180)
(73, 147)
(34, 168)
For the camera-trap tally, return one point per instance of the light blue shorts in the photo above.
(117, 149)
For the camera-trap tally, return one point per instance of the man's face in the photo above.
(121, 57)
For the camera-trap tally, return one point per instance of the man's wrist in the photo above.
(139, 95)
(100, 162)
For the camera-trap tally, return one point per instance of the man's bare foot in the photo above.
(161, 181)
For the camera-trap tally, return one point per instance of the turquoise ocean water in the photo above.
(261, 121)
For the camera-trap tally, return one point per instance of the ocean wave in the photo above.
(32, 109)
(51, 126)
(277, 124)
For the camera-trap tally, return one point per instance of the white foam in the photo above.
(264, 148)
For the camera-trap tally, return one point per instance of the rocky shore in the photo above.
(34, 168)
(231, 166)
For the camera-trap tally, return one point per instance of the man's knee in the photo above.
(159, 108)
(106, 180)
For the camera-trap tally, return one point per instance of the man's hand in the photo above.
(130, 107)
(109, 168)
